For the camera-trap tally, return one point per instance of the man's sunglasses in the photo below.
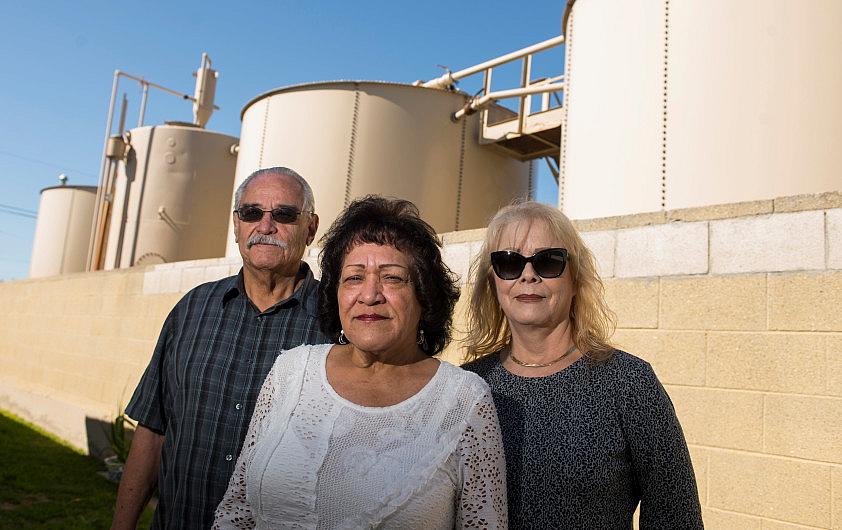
(282, 214)
(548, 263)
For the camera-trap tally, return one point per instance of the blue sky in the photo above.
(58, 61)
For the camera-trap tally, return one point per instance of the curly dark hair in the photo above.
(395, 222)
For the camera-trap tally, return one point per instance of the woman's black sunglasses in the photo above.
(282, 214)
(548, 263)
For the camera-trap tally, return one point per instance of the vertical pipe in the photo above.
(109, 122)
(486, 88)
(525, 102)
(108, 190)
(118, 254)
(108, 210)
(99, 234)
(100, 192)
(123, 109)
(143, 104)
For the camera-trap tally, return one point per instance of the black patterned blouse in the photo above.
(585, 445)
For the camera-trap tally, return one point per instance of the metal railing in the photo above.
(528, 87)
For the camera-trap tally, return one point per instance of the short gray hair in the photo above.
(306, 191)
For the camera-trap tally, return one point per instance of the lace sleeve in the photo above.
(482, 499)
(234, 510)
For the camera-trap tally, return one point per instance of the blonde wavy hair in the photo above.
(592, 321)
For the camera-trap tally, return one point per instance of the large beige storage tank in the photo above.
(172, 196)
(62, 231)
(352, 138)
(681, 104)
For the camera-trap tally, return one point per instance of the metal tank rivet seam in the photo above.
(562, 166)
(461, 175)
(664, 110)
(349, 173)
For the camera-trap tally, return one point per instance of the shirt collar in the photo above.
(305, 295)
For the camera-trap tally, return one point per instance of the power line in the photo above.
(18, 209)
(18, 213)
(57, 166)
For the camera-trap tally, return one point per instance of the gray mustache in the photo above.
(263, 239)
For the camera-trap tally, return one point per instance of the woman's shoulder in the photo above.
(629, 370)
(456, 378)
(288, 361)
(483, 365)
(626, 362)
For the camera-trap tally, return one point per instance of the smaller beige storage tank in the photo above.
(62, 231)
(352, 138)
(171, 197)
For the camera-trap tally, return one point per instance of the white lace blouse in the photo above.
(312, 459)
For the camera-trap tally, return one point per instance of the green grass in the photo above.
(44, 483)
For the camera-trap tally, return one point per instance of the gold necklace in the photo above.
(540, 365)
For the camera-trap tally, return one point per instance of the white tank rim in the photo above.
(179, 123)
(319, 84)
(184, 127)
(80, 187)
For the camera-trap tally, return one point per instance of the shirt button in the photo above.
(229, 457)
(238, 406)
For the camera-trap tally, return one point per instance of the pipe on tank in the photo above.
(106, 223)
(97, 239)
(205, 92)
(102, 206)
(143, 99)
(483, 101)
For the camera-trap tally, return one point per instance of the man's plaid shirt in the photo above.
(201, 385)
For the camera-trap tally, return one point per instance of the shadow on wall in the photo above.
(99, 437)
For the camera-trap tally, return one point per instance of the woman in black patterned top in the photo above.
(588, 430)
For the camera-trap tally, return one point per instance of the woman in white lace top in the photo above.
(373, 432)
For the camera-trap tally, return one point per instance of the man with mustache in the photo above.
(195, 400)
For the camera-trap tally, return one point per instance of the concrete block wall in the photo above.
(736, 307)
(73, 347)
